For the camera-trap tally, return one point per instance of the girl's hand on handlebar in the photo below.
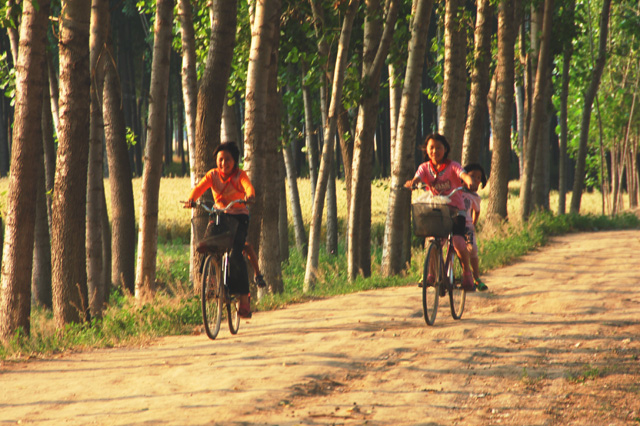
(249, 199)
(189, 204)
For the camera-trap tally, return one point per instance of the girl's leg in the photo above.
(460, 245)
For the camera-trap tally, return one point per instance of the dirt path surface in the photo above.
(556, 340)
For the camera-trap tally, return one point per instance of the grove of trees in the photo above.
(539, 91)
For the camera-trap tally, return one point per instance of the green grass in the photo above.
(176, 309)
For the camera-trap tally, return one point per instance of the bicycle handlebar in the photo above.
(214, 209)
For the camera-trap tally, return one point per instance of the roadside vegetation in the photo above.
(176, 309)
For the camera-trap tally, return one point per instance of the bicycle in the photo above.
(215, 293)
(442, 271)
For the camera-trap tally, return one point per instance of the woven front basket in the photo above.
(431, 220)
(218, 237)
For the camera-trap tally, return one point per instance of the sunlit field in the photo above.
(174, 221)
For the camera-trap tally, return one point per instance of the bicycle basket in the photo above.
(431, 220)
(218, 237)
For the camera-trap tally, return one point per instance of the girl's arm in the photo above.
(412, 182)
(466, 179)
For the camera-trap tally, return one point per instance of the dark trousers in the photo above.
(239, 281)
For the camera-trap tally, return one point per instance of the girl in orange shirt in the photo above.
(228, 183)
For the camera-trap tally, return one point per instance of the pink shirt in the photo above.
(472, 204)
(444, 182)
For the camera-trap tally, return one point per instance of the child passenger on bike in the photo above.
(442, 176)
(228, 183)
(472, 206)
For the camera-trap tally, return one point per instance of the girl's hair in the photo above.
(231, 148)
(475, 166)
(440, 138)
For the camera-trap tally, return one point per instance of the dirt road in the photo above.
(556, 340)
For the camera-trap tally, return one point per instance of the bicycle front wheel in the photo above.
(457, 295)
(212, 296)
(431, 281)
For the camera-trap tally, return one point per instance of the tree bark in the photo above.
(402, 165)
(313, 253)
(452, 116)
(480, 80)
(270, 259)
(567, 52)
(498, 188)
(69, 272)
(537, 113)
(377, 39)
(189, 79)
(15, 297)
(152, 172)
(589, 96)
(123, 233)
(95, 184)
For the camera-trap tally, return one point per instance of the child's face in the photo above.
(476, 175)
(225, 162)
(435, 151)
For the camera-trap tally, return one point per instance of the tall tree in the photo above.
(189, 79)
(589, 96)
(567, 52)
(95, 184)
(262, 29)
(452, 115)
(480, 80)
(15, 297)
(539, 105)
(148, 234)
(377, 39)
(310, 276)
(402, 164)
(504, 74)
(69, 272)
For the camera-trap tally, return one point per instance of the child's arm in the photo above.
(466, 179)
(412, 182)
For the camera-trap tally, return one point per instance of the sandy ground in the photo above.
(555, 341)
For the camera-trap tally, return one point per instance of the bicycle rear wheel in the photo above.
(431, 281)
(232, 303)
(457, 295)
(212, 296)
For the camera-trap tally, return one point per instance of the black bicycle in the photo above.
(216, 246)
(442, 271)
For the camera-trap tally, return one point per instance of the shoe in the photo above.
(244, 312)
(480, 285)
(431, 279)
(259, 279)
(467, 282)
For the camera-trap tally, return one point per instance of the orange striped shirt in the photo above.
(225, 189)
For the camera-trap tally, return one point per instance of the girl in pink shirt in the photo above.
(442, 176)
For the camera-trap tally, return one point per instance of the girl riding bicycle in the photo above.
(442, 176)
(228, 183)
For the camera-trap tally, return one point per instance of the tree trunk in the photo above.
(15, 297)
(396, 226)
(589, 96)
(498, 188)
(377, 39)
(95, 183)
(537, 114)
(329, 133)
(567, 52)
(256, 143)
(270, 259)
(283, 220)
(123, 234)
(294, 200)
(69, 272)
(41, 275)
(452, 117)
(332, 213)
(480, 80)
(152, 172)
(310, 137)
